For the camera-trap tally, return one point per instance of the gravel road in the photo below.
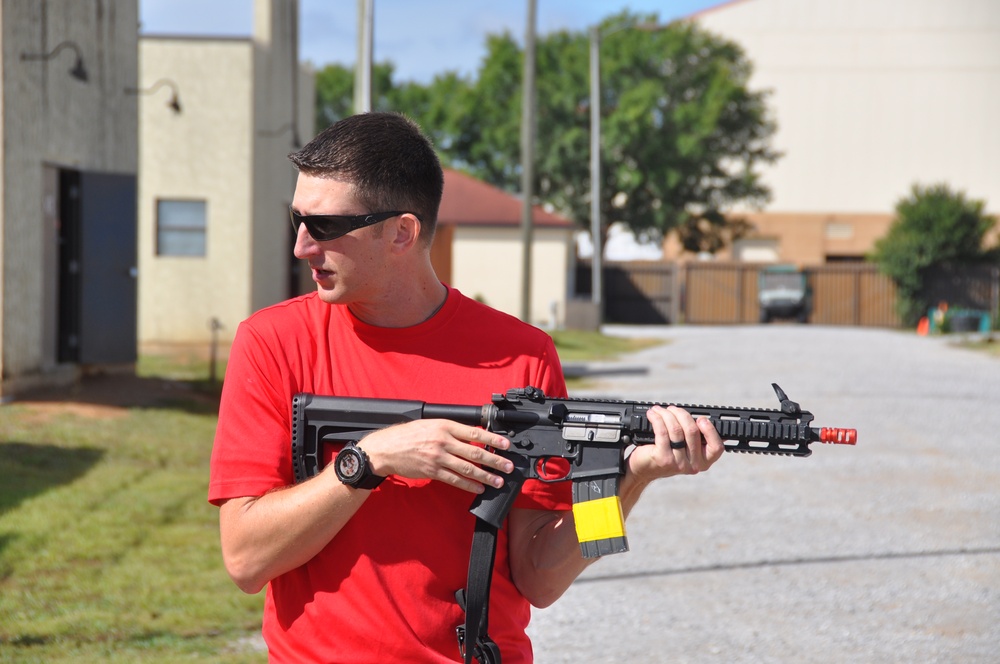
(885, 552)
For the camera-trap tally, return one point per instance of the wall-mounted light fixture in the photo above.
(174, 102)
(79, 72)
(291, 126)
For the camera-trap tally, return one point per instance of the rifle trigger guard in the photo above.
(545, 475)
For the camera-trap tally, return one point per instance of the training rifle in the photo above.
(591, 435)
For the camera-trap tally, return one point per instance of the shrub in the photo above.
(934, 226)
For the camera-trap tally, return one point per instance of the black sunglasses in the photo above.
(325, 227)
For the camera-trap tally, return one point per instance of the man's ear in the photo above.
(407, 235)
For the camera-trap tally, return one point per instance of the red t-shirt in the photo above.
(384, 588)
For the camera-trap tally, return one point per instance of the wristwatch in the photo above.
(354, 469)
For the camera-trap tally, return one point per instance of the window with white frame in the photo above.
(180, 228)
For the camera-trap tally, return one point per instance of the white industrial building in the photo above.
(870, 98)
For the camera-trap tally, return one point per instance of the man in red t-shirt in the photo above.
(367, 570)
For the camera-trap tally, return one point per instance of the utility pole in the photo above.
(527, 159)
(363, 68)
(596, 262)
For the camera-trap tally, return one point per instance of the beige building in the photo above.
(870, 98)
(68, 188)
(215, 183)
(479, 250)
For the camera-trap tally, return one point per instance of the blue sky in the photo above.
(421, 38)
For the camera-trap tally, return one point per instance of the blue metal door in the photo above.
(107, 275)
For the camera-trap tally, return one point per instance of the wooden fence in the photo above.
(652, 292)
(720, 293)
(636, 292)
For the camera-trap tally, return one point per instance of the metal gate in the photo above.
(636, 292)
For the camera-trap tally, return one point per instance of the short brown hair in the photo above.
(387, 159)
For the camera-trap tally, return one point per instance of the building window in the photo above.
(756, 250)
(839, 230)
(180, 228)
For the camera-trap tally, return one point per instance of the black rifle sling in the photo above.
(473, 638)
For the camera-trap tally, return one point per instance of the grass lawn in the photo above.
(581, 346)
(108, 549)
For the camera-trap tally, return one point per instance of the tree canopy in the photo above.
(682, 138)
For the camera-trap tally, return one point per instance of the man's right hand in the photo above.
(440, 450)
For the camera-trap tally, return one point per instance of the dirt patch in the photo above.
(108, 396)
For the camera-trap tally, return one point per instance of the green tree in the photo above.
(682, 134)
(436, 106)
(334, 95)
(335, 92)
(486, 118)
(934, 226)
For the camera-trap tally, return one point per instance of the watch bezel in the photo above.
(363, 478)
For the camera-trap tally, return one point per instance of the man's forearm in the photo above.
(266, 536)
(544, 554)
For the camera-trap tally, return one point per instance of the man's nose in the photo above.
(305, 246)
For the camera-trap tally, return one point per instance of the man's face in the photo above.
(347, 269)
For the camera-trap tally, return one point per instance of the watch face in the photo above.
(349, 465)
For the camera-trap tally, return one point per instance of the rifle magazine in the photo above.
(597, 512)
